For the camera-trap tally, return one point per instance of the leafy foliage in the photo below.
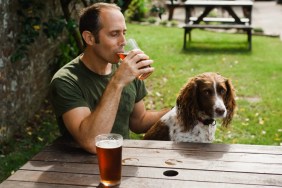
(33, 23)
(136, 10)
(30, 22)
(68, 50)
(54, 27)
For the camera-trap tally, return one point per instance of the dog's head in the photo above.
(206, 96)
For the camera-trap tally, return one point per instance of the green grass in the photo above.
(29, 140)
(256, 76)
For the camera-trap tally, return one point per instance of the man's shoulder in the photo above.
(68, 70)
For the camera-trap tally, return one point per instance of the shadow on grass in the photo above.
(217, 47)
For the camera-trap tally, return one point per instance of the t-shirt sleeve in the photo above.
(65, 95)
(141, 90)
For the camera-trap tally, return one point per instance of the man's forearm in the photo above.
(101, 120)
(150, 118)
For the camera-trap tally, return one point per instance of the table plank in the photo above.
(60, 144)
(160, 153)
(61, 167)
(142, 172)
(206, 155)
(150, 159)
(61, 156)
(55, 178)
(218, 3)
(213, 2)
(23, 184)
(231, 148)
(207, 165)
(91, 180)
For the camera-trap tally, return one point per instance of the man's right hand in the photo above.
(132, 66)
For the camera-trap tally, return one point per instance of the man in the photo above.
(94, 93)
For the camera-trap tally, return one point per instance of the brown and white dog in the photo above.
(203, 99)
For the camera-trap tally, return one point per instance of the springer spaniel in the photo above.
(204, 98)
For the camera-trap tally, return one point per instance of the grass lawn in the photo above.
(256, 76)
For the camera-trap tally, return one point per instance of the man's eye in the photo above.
(114, 34)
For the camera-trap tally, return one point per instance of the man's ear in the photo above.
(88, 37)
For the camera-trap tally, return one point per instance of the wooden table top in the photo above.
(211, 3)
(218, 3)
(162, 164)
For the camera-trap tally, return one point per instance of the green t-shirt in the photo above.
(74, 85)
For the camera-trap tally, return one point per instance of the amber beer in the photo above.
(109, 153)
(140, 77)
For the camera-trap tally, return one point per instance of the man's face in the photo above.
(112, 36)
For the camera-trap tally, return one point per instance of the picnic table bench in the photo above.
(203, 21)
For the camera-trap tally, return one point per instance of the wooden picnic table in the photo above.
(209, 5)
(204, 20)
(149, 164)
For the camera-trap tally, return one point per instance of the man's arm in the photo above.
(85, 125)
(142, 120)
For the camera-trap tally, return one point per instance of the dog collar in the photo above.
(208, 121)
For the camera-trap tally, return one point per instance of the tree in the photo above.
(33, 23)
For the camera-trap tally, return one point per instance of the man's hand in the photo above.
(132, 66)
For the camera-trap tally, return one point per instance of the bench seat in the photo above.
(220, 20)
(188, 28)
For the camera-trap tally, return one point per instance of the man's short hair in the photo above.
(90, 19)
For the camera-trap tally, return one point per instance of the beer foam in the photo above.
(109, 144)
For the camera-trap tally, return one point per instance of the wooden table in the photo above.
(204, 20)
(162, 164)
(209, 5)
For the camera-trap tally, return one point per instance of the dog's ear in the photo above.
(229, 102)
(187, 105)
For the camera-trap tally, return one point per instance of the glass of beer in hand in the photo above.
(109, 153)
(131, 44)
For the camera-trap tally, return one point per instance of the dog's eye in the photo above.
(207, 92)
(222, 91)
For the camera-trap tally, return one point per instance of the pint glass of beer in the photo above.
(109, 153)
(131, 44)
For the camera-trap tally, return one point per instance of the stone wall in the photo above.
(23, 84)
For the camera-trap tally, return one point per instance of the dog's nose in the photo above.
(219, 111)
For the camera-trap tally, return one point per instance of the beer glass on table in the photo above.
(131, 44)
(109, 153)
